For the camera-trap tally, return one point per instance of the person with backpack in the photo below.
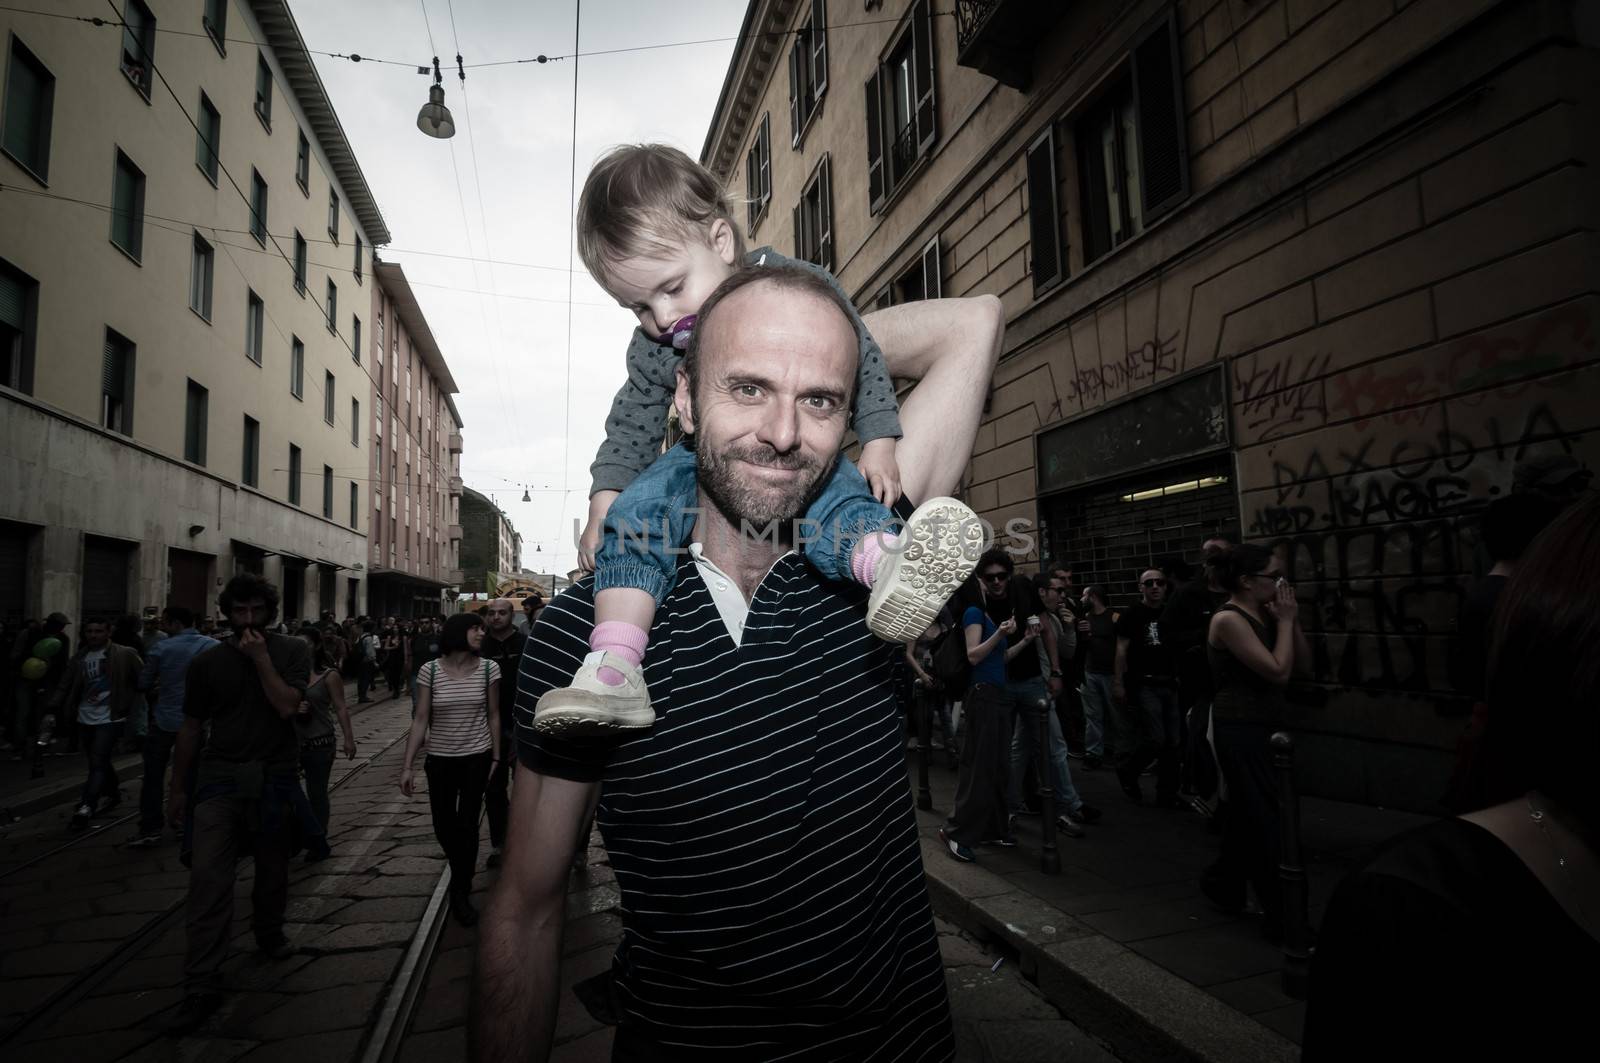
(366, 662)
(980, 813)
(458, 711)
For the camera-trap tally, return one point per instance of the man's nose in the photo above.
(780, 428)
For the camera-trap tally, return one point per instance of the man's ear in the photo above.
(724, 241)
(684, 401)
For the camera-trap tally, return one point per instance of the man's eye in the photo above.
(820, 402)
(748, 391)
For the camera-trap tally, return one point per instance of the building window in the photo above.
(808, 71)
(138, 45)
(355, 422)
(358, 258)
(264, 91)
(302, 163)
(30, 103)
(297, 367)
(901, 116)
(208, 140)
(19, 300)
(813, 218)
(355, 504)
(258, 207)
(327, 397)
(355, 338)
(327, 492)
(758, 174)
(921, 280)
(1133, 159)
(116, 384)
(333, 307)
(333, 215)
(127, 207)
(294, 475)
(215, 21)
(299, 263)
(201, 262)
(1049, 263)
(255, 312)
(251, 472)
(194, 424)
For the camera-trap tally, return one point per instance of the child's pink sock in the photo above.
(864, 566)
(623, 639)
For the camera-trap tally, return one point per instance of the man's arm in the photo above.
(949, 346)
(182, 764)
(284, 692)
(150, 674)
(516, 992)
(1118, 688)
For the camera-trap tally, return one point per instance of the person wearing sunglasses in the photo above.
(1146, 694)
(1255, 645)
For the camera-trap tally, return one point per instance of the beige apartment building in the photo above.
(185, 262)
(1320, 273)
(416, 459)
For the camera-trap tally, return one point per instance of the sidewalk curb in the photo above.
(1146, 1013)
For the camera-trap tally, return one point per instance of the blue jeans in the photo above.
(650, 522)
(1029, 698)
(1096, 693)
(99, 742)
(153, 789)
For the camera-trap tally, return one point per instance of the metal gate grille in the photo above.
(1111, 532)
(105, 577)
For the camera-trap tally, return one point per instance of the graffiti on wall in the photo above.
(1143, 364)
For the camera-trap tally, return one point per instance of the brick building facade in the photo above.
(1317, 271)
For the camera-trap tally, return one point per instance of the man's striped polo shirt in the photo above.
(762, 833)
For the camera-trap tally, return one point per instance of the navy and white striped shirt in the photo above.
(762, 833)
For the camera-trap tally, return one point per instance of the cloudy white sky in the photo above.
(507, 347)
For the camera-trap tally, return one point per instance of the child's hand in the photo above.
(882, 472)
(588, 544)
(589, 541)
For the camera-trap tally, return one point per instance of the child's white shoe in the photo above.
(589, 708)
(938, 550)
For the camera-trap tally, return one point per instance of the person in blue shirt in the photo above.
(980, 816)
(165, 668)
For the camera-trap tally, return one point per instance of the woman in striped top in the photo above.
(458, 709)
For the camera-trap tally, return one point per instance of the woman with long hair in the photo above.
(313, 725)
(980, 814)
(1254, 645)
(1478, 937)
(458, 710)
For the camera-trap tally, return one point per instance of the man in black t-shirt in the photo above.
(248, 690)
(1146, 694)
(502, 644)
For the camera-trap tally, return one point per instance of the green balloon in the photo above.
(34, 669)
(46, 648)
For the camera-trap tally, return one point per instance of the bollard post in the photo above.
(1291, 872)
(1049, 855)
(921, 702)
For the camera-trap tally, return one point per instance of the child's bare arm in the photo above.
(949, 346)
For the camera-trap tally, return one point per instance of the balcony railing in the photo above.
(453, 532)
(997, 37)
(455, 485)
(455, 442)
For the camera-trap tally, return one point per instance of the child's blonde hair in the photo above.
(639, 195)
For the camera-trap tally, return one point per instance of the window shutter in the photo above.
(875, 187)
(1092, 181)
(13, 301)
(930, 270)
(766, 159)
(1164, 151)
(922, 57)
(111, 372)
(825, 215)
(799, 213)
(819, 48)
(794, 88)
(1044, 212)
(751, 191)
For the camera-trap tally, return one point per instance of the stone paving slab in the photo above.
(348, 920)
(1130, 934)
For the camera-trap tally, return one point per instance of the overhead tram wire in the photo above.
(505, 390)
(572, 235)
